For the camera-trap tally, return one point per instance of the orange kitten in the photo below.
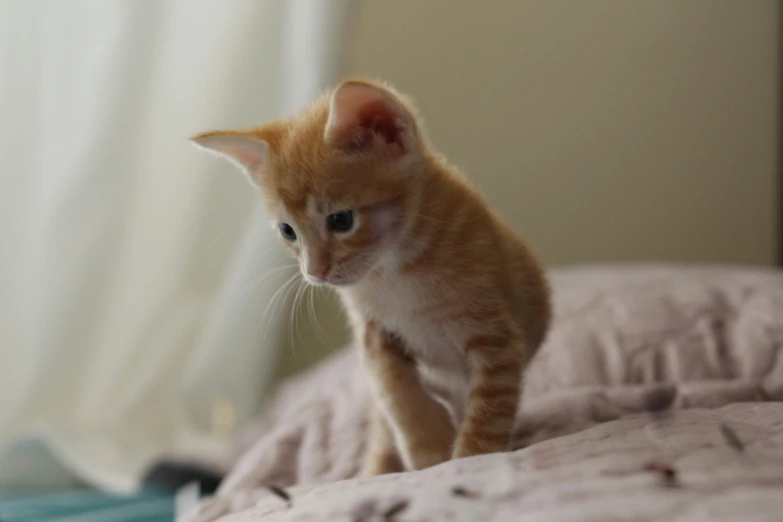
(447, 302)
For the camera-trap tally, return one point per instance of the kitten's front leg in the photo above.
(423, 430)
(496, 363)
(381, 455)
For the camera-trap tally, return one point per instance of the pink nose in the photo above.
(318, 264)
(318, 272)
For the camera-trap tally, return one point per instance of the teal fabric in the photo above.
(85, 506)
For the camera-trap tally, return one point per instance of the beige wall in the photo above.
(603, 129)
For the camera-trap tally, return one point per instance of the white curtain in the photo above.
(131, 288)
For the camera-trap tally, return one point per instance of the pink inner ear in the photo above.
(378, 119)
(362, 116)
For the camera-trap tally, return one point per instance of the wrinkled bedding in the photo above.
(603, 474)
(626, 343)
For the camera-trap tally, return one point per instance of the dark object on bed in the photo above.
(171, 476)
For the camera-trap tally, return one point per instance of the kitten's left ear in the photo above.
(244, 149)
(367, 118)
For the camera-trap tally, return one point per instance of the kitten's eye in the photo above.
(287, 231)
(341, 221)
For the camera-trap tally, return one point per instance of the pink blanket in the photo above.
(626, 340)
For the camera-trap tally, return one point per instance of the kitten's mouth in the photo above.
(331, 280)
(315, 280)
(348, 271)
(325, 280)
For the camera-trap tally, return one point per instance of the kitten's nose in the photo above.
(318, 269)
(319, 273)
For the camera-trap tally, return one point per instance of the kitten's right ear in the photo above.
(243, 149)
(369, 118)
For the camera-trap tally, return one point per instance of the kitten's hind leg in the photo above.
(422, 428)
(382, 455)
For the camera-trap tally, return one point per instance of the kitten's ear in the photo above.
(244, 149)
(366, 118)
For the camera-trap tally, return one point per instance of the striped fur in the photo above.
(447, 302)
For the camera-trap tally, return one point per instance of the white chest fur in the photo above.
(437, 347)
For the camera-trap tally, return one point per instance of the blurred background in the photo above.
(143, 301)
(604, 131)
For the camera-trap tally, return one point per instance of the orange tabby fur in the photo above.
(446, 301)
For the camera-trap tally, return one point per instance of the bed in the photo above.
(655, 397)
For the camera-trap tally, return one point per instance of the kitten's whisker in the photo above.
(286, 300)
(292, 316)
(244, 298)
(309, 306)
(277, 293)
(302, 309)
(319, 331)
(295, 311)
(277, 300)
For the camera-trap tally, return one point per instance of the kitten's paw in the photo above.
(464, 451)
(433, 458)
(425, 455)
(472, 446)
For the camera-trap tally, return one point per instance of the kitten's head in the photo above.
(340, 179)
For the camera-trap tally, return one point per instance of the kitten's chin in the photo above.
(342, 282)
